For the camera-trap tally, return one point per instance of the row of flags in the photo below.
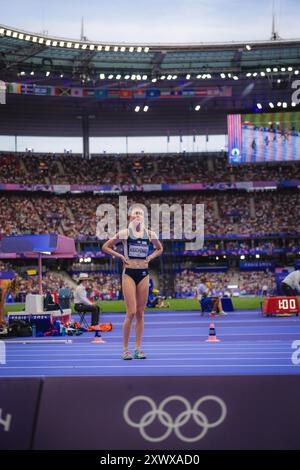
(104, 93)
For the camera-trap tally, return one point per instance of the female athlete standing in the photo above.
(136, 240)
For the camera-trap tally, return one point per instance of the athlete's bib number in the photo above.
(138, 251)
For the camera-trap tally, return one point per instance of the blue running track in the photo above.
(175, 345)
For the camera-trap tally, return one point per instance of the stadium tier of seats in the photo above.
(136, 169)
(226, 212)
(246, 283)
(236, 222)
(102, 285)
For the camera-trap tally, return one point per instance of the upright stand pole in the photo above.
(40, 274)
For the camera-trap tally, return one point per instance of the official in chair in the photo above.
(81, 301)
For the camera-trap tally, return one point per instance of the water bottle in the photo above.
(64, 332)
(34, 330)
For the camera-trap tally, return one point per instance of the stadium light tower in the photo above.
(82, 35)
(274, 35)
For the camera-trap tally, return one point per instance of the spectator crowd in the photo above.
(29, 168)
(254, 283)
(225, 213)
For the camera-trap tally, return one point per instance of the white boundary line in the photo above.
(152, 366)
(153, 353)
(168, 358)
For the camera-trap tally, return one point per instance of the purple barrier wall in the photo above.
(18, 408)
(64, 188)
(238, 412)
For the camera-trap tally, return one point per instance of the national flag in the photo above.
(113, 93)
(125, 93)
(27, 89)
(201, 92)
(225, 91)
(89, 92)
(176, 94)
(16, 87)
(214, 91)
(101, 94)
(165, 93)
(139, 93)
(188, 93)
(76, 91)
(9, 88)
(152, 93)
(62, 91)
(42, 90)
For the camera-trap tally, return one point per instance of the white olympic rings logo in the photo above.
(166, 419)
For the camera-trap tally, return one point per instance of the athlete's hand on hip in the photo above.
(124, 260)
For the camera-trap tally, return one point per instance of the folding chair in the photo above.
(82, 313)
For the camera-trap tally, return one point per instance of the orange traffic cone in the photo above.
(98, 338)
(212, 337)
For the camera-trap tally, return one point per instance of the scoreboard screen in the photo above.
(263, 137)
(281, 306)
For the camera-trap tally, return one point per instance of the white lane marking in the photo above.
(205, 350)
(171, 354)
(157, 360)
(201, 344)
(135, 365)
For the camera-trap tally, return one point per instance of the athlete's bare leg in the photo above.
(129, 292)
(142, 292)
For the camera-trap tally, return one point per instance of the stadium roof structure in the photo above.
(21, 50)
(219, 77)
